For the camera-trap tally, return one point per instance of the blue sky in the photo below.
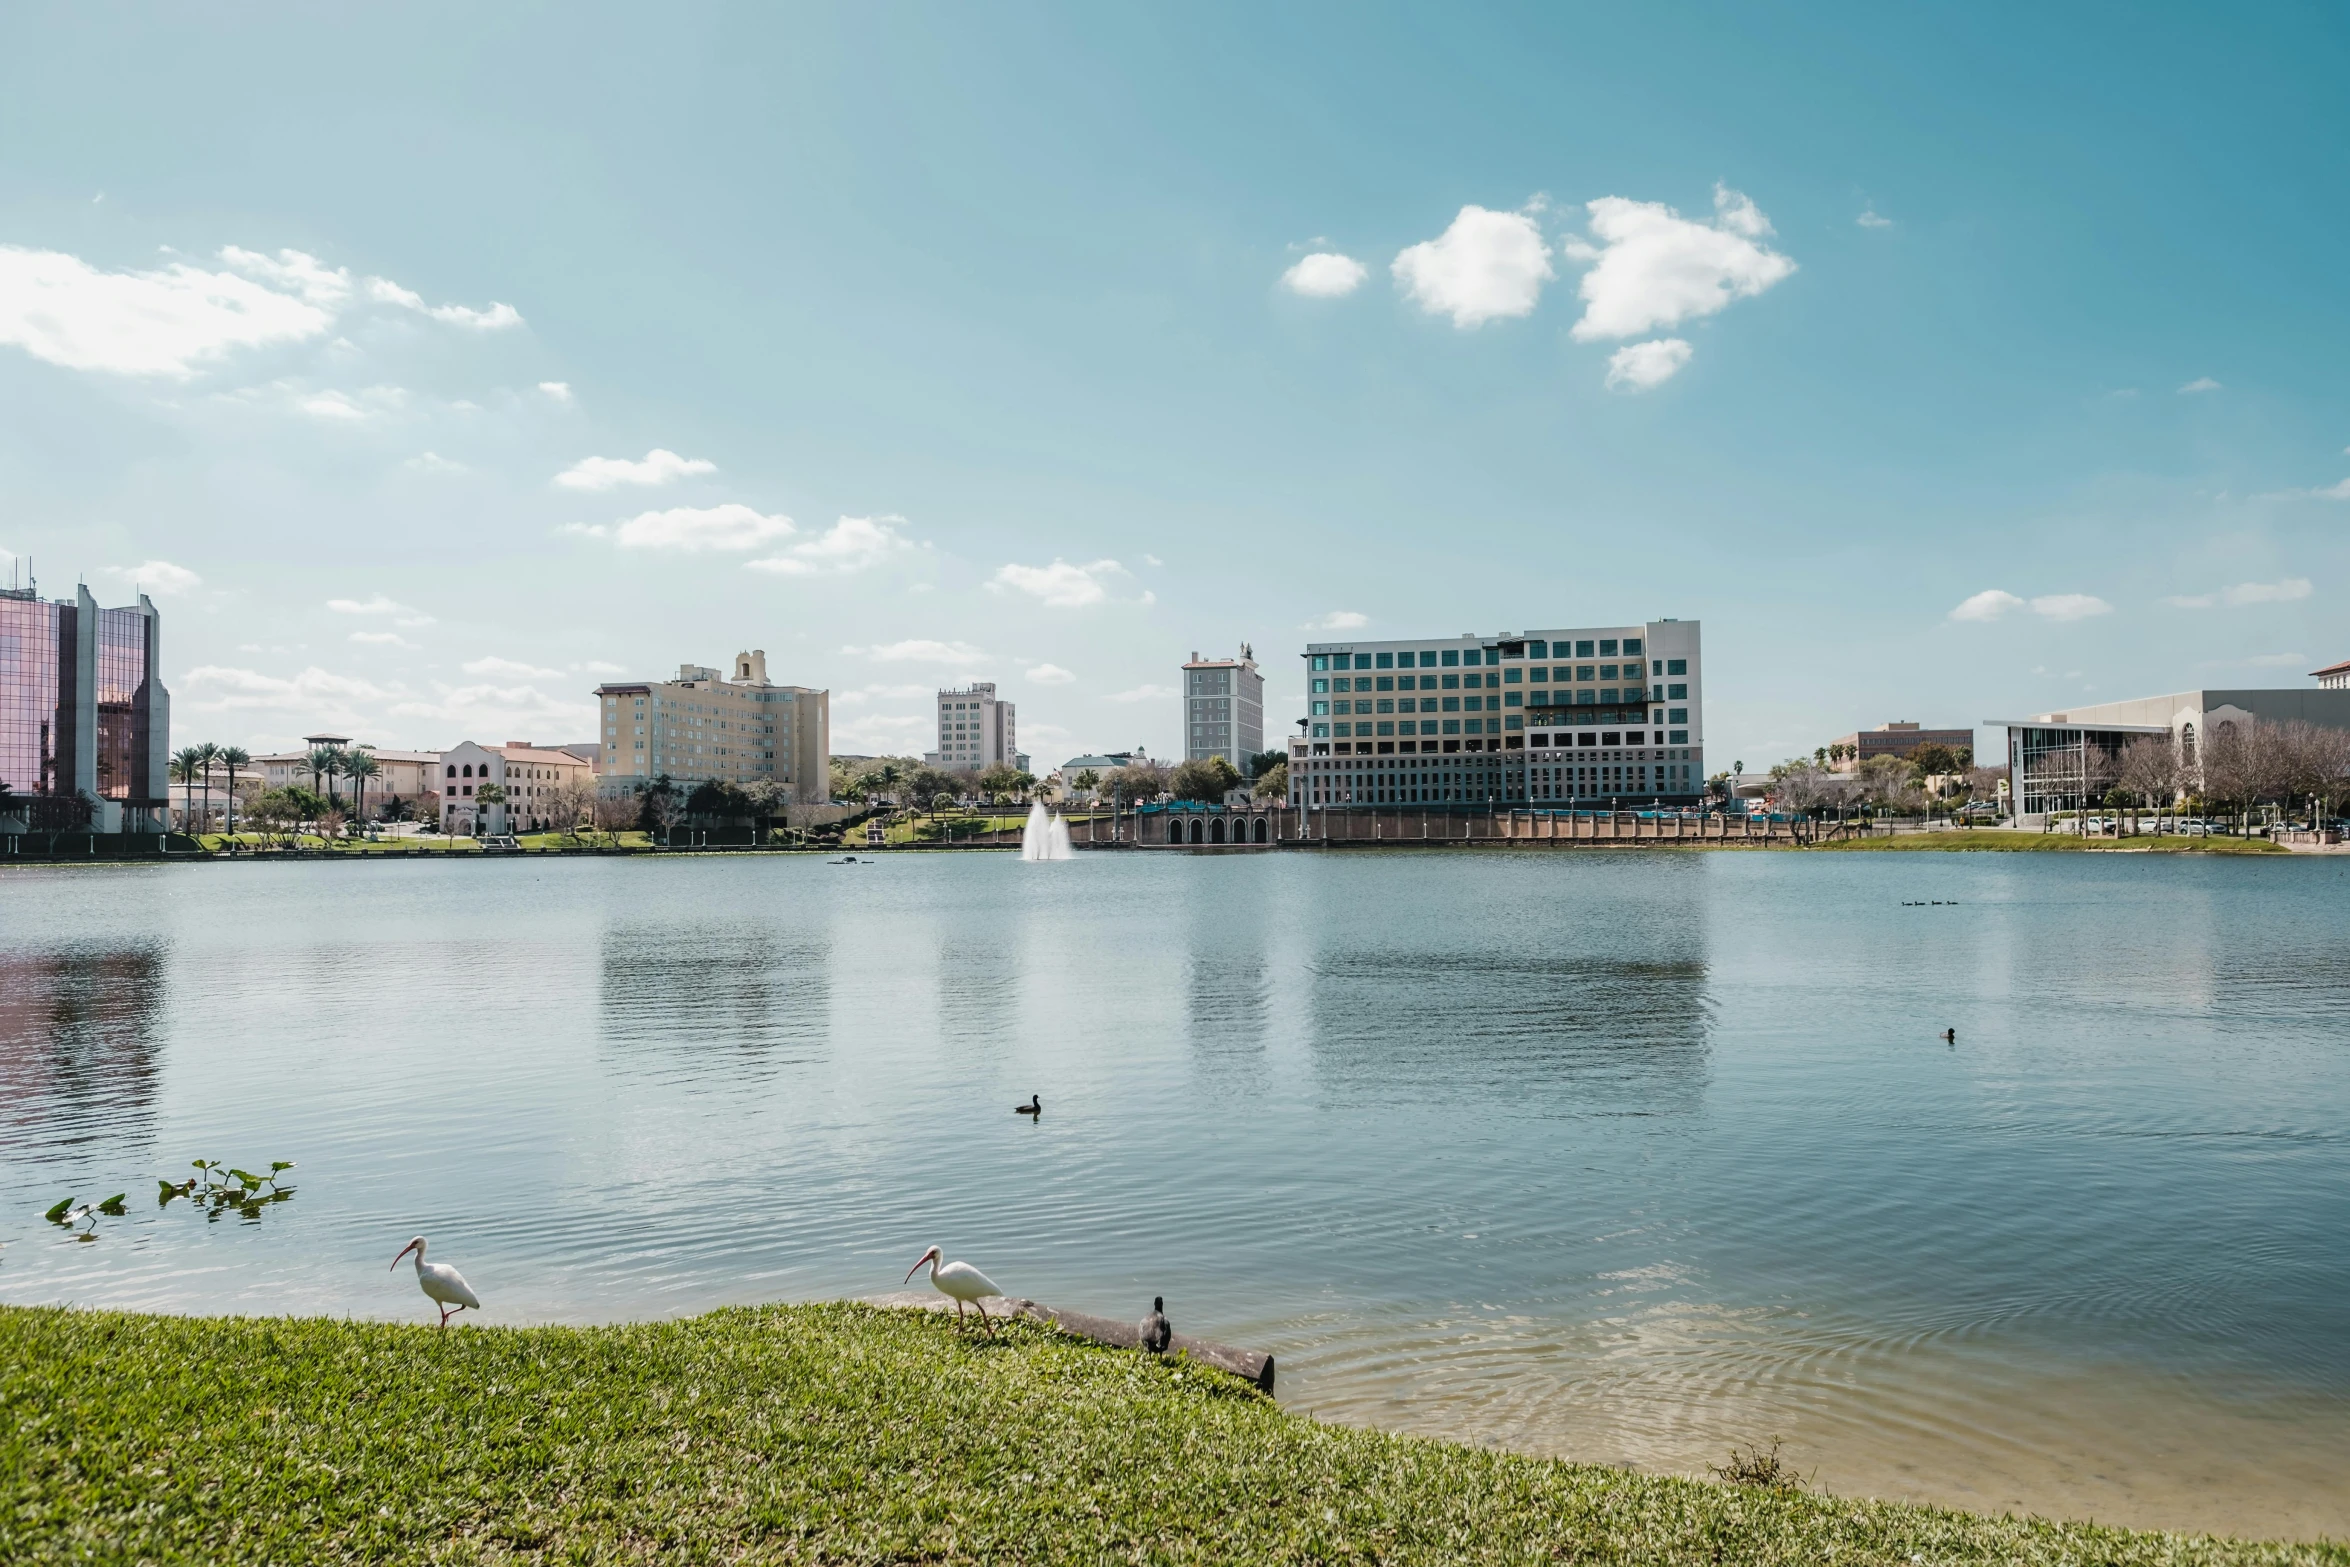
(432, 363)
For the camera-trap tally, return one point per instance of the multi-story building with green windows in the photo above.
(1582, 717)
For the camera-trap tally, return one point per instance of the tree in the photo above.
(358, 766)
(1003, 782)
(233, 757)
(1206, 780)
(206, 755)
(659, 808)
(1264, 762)
(1086, 781)
(1934, 761)
(322, 762)
(486, 798)
(2149, 772)
(184, 767)
(1140, 779)
(570, 803)
(1273, 782)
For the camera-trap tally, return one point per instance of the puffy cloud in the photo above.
(2334, 492)
(168, 322)
(1051, 675)
(344, 407)
(2201, 383)
(1338, 620)
(178, 318)
(560, 391)
(850, 544)
(2069, 606)
(1325, 275)
(694, 529)
(2285, 592)
(382, 639)
(380, 605)
(316, 694)
(435, 463)
(1651, 267)
(958, 654)
(1486, 265)
(1989, 604)
(1643, 365)
(507, 669)
(1143, 694)
(158, 577)
(1061, 584)
(1871, 219)
(605, 473)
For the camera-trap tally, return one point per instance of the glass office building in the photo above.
(1581, 717)
(82, 711)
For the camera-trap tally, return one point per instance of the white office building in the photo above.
(1585, 716)
(975, 730)
(1223, 709)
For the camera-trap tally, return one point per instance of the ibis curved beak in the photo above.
(917, 1267)
(411, 1246)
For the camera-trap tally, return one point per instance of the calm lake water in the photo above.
(1620, 1156)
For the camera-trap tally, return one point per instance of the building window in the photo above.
(1678, 693)
(1680, 716)
(1631, 645)
(1452, 655)
(1676, 666)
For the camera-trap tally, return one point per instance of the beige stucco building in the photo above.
(705, 727)
(531, 776)
(406, 775)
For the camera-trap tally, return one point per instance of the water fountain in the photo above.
(1046, 837)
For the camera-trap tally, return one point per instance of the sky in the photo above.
(430, 364)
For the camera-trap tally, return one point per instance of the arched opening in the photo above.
(1198, 832)
(2187, 743)
(1174, 829)
(1260, 829)
(1216, 830)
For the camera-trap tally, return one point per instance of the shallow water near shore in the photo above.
(1619, 1156)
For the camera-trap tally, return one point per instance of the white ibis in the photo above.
(1035, 1106)
(1157, 1331)
(960, 1282)
(442, 1284)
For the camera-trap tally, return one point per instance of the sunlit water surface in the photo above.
(1625, 1157)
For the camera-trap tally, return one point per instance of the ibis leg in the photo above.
(983, 1318)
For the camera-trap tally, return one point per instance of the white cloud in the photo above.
(2201, 383)
(1061, 584)
(1051, 675)
(435, 463)
(1486, 265)
(850, 544)
(1871, 219)
(1338, 620)
(1653, 268)
(61, 309)
(732, 526)
(496, 318)
(1325, 275)
(2287, 591)
(1142, 694)
(560, 391)
(864, 694)
(2334, 492)
(2070, 606)
(957, 654)
(507, 669)
(1152, 560)
(1989, 604)
(380, 605)
(1640, 366)
(157, 577)
(596, 666)
(175, 320)
(382, 639)
(606, 473)
(315, 693)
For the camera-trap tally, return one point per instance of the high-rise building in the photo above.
(975, 730)
(83, 712)
(703, 727)
(1582, 716)
(1223, 709)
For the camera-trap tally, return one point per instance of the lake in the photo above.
(1621, 1156)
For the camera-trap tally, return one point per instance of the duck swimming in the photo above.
(1035, 1106)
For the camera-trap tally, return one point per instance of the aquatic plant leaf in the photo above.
(113, 1204)
(57, 1214)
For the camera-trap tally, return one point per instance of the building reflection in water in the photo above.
(80, 1044)
(694, 999)
(1586, 1005)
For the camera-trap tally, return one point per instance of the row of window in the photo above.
(1342, 683)
(1430, 658)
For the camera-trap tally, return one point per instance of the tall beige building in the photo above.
(706, 727)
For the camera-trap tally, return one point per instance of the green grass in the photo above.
(218, 842)
(2000, 839)
(825, 1434)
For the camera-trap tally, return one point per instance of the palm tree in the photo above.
(184, 767)
(233, 757)
(484, 798)
(323, 761)
(358, 766)
(206, 755)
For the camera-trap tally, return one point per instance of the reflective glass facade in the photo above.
(81, 710)
(36, 652)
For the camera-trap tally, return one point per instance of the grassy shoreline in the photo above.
(830, 1433)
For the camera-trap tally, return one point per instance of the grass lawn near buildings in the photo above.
(828, 1433)
(2001, 839)
(218, 843)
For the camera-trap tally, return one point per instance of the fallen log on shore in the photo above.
(1249, 1365)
